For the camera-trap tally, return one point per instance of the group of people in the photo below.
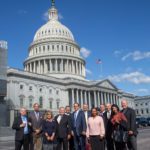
(101, 128)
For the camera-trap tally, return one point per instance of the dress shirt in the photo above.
(108, 114)
(95, 126)
(24, 120)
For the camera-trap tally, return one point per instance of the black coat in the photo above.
(108, 125)
(131, 119)
(64, 127)
(19, 130)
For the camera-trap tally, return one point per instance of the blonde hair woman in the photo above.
(49, 129)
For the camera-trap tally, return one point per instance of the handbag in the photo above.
(120, 135)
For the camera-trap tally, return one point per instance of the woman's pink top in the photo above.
(95, 126)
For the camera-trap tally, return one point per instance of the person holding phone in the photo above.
(22, 125)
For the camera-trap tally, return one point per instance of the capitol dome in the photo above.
(54, 51)
(53, 29)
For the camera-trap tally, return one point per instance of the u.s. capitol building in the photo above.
(54, 73)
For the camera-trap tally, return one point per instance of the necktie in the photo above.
(37, 116)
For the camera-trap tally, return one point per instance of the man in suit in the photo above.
(71, 141)
(131, 125)
(86, 111)
(108, 127)
(79, 127)
(36, 118)
(23, 127)
(102, 110)
(63, 129)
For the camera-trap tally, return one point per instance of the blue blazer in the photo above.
(80, 123)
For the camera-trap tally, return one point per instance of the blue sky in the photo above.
(115, 31)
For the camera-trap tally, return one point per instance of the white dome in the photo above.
(53, 29)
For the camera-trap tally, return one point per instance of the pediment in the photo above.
(107, 84)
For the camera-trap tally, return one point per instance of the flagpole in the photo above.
(101, 70)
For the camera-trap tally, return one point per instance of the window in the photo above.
(57, 92)
(21, 102)
(43, 48)
(142, 111)
(147, 111)
(57, 103)
(146, 104)
(50, 91)
(136, 104)
(40, 90)
(48, 47)
(141, 104)
(52, 47)
(50, 104)
(21, 87)
(41, 102)
(30, 88)
(30, 102)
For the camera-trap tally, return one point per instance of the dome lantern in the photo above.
(53, 14)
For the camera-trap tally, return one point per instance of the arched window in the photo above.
(30, 101)
(21, 99)
(41, 102)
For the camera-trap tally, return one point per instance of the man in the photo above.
(79, 127)
(22, 126)
(86, 111)
(131, 125)
(67, 110)
(71, 142)
(63, 129)
(36, 118)
(102, 109)
(108, 127)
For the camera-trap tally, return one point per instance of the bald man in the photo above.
(108, 127)
(23, 127)
(131, 125)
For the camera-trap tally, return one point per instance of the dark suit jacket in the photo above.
(80, 122)
(19, 130)
(36, 124)
(131, 119)
(64, 127)
(108, 125)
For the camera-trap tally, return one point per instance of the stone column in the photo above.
(34, 65)
(72, 66)
(61, 66)
(85, 97)
(105, 98)
(101, 95)
(81, 98)
(77, 67)
(56, 65)
(98, 97)
(45, 66)
(89, 98)
(30, 67)
(77, 96)
(50, 65)
(72, 91)
(95, 99)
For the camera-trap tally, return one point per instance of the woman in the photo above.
(49, 129)
(96, 130)
(119, 124)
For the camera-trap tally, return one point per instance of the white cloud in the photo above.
(117, 53)
(132, 77)
(136, 55)
(85, 52)
(88, 71)
(142, 90)
(46, 15)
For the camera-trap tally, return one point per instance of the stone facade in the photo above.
(142, 106)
